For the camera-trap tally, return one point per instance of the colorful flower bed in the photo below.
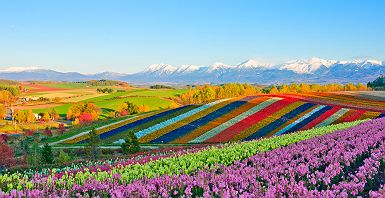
(225, 119)
(185, 129)
(236, 119)
(157, 131)
(141, 126)
(346, 163)
(343, 100)
(264, 102)
(116, 179)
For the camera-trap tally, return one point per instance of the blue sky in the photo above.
(127, 36)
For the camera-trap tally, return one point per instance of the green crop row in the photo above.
(188, 163)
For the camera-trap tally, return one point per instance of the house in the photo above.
(37, 116)
(8, 114)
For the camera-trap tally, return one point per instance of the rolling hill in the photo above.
(239, 119)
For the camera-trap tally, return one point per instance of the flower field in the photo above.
(206, 171)
(241, 119)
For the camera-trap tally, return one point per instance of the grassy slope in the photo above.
(155, 99)
(66, 85)
(77, 130)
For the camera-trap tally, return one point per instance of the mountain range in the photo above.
(314, 70)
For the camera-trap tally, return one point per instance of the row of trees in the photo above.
(13, 90)
(307, 88)
(29, 117)
(31, 151)
(206, 93)
(29, 147)
(104, 90)
(378, 83)
(107, 83)
(160, 87)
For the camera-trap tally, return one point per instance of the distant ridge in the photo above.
(314, 70)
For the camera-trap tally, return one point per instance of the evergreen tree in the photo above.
(93, 143)
(46, 154)
(131, 144)
(34, 154)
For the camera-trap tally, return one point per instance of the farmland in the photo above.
(239, 119)
(192, 99)
(78, 92)
(45, 97)
(231, 168)
(286, 144)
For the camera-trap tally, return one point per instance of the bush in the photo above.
(63, 157)
(47, 132)
(61, 128)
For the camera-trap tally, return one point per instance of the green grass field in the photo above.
(68, 85)
(154, 99)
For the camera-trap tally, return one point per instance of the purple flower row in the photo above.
(346, 163)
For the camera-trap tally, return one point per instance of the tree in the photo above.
(361, 87)
(20, 117)
(78, 109)
(30, 116)
(85, 118)
(46, 154)
(93, 143)
(4, 138)
(123, 112)
(131, 144)
(76, 122)
(132, 108)
(274, 90)
(143, 108)
(5, 96)
(29, 132)
(34, 154)
(6, 155)
(54, 115)
(63, 157)
(46, 117)
(3, 111)
(61, 128)
(128, 108)
(378, 83)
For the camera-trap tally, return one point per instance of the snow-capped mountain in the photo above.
(161, 69)
(250, 64)
(187, 69)
(218, 66)
(19, 69)
(307, 66)
(314, 70)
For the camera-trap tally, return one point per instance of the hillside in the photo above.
(240, 119)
